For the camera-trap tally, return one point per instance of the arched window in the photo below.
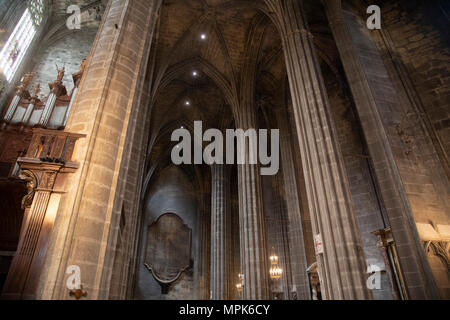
(36, 8)
(20, 39)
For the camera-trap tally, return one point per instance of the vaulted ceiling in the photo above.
(198, 54)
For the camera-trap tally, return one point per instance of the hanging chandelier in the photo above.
(275, 271)
(240, 284)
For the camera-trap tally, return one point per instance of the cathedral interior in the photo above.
(92, 205)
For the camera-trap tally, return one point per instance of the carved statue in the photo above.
(37, 90)
(77, 76)
(35, 98)
(27, 78)
(61, 73)
(314, 282)
(31, 181)
(56, 87)
(83, 65)
(21, 89)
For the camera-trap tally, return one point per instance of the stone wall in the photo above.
(420, 41)
(416, 29)
(67, 51)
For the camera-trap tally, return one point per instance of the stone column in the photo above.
(220, 233)
(105, 109)
(298, 261)
(205, 246)
(340, 260)
(254, 255)
(254, 258)
(373, 110)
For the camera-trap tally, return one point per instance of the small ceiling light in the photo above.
(203, 36)
(188, 103)
(194, 73)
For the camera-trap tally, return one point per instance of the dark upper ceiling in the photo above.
(178, 50)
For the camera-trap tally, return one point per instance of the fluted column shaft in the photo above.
(254, 259)
(26, 266)
(18, 274)
(341, 264)
(298, 259)
(221, 233)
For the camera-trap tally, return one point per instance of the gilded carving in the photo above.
(29, 177)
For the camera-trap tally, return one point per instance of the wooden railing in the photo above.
(52, 146)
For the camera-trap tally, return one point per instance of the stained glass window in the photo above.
(36, 8)
(20, 39)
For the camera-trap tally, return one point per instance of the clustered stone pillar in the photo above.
(254, 259)
(342, 267)
(298, 261)
(220, 233)
(104, 109)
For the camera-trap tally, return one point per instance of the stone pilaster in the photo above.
(341, 264)
(220, 233)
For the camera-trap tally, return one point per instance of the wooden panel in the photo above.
(168, 252)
